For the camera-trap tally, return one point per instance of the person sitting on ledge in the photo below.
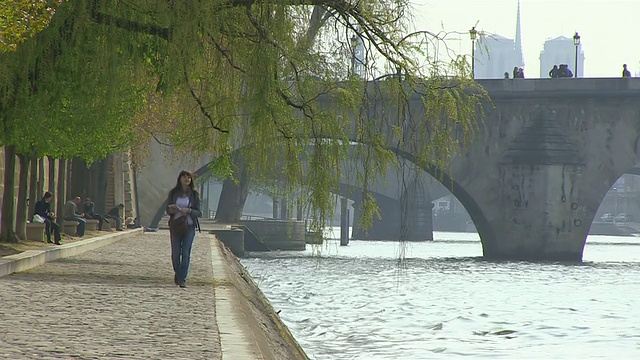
(42, 209)
(71, 214)
(90, 213)
(114, 213)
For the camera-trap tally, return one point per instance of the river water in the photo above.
(446, 302)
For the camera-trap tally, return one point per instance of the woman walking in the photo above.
(183, 206)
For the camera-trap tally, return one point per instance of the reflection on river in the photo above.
(356, 302)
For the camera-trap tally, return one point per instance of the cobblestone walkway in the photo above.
(116, 302)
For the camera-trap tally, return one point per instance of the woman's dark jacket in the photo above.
(194, 204)
(42, 209)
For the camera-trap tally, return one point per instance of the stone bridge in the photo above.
(532, 179)
(543, 160)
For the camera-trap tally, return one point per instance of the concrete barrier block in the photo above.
(92, 224)
(70, 227)
(233, 239)
(35, 231)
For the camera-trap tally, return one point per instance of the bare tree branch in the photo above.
(204, 111)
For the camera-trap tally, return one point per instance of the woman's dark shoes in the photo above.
(183, 285)
(58, 243)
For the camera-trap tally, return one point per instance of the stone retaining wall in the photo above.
(238, 297)
(279, 234)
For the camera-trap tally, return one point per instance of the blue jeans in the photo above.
(82, 223)
(118, 221)
(181, 253)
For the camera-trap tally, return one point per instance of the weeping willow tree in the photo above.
(69, 91)
(270, 82)
(22, 19)
(265, 77)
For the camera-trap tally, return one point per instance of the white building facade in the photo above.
(561, 50)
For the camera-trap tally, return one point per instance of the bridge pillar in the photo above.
(417, 219)
(386, 228)
(539, 211)
(284, 209)
(275, 208)
(344, 221)
(417, 208)
(540, 216)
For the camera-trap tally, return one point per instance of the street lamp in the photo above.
(354, 45)
(615, 213)
(473, 33)
(576, 42)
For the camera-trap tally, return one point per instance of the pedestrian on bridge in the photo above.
(625, 71)
(183, 206)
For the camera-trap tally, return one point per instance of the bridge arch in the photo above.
(347, 189)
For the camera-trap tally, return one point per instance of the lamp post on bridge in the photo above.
(576, 43)
(473, 33)
(615, 212)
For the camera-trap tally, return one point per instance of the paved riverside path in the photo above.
(116, 302)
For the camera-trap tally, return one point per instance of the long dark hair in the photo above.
(178, 188)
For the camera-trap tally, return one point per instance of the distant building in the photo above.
(496, 54)
(558, 51)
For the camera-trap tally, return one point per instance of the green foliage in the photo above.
(22, 19)
(270, 79)
(69, 91)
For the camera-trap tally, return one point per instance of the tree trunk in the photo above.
(34, 177)
(7, 232)
(100, 200)
(233, 197)
(62, 193)
(80, 179)
(51, 186)
(41, 185)
(23, 193)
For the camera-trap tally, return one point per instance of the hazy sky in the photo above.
(608, 28)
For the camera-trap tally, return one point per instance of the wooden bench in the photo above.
(70, 227)
(92, 224)
(36, 231)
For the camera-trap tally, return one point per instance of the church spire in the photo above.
(518, 44)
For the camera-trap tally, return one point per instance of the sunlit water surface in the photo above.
(444, 302)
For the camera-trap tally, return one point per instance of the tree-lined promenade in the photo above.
(82, 79)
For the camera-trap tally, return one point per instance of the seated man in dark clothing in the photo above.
(90, 213)
(114, 213)
(42, 210)
(71, 214)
